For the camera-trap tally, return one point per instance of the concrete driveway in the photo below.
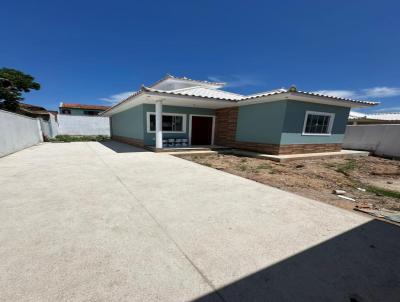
(108, 222)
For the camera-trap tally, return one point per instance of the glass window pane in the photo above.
(152, 122)
(317, 124)
(178, 123)
(167, 123)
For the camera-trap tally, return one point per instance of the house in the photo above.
(81, 109)
(34, 111)
(178, 111)
(358, 118)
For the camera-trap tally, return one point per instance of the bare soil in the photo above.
(317, 178)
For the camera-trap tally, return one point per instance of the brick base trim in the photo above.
(309, 148)
(130, 141)
(287, 149)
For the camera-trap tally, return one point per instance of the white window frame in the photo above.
(331, 119)
(184, 118)
(212, 130)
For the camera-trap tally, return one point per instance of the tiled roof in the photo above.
(83, 106)
(209, 92)
(384, 116)
(229, 96)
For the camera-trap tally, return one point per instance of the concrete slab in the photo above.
(84, 222)
(281, 158)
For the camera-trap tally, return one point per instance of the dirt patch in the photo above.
(371, 181)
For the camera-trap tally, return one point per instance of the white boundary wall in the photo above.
(83, 125)
(18, 132)
(382, 140)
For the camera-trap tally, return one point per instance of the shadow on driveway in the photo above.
(121, 147)
(361, 265)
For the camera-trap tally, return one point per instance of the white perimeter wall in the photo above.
(18, 132)
(83, 125)
(381, 139)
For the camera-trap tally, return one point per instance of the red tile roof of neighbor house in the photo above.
(83, 106)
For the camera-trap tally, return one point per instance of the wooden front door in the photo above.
(202, 130)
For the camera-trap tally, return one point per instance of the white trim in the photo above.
(212, 130)
(331, 119)
(168, 114)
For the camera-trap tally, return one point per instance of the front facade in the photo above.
(179, 112)
(81, 109)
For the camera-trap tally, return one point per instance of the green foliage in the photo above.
(350, 165)
(12, 84)
(72, 138)
(383, 192)
(263, 166)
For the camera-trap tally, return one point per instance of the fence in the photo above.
(18, 132)
(83, 125)
(382, 140)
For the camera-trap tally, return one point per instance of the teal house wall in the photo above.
(278, 123)
(294, 122)
(281, 122)
(261, 123)
(128, 123)
(149, 138)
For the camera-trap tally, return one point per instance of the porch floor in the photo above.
(189, 148)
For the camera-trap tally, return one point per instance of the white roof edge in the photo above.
(168, 76)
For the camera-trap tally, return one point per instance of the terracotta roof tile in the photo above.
(83, 106)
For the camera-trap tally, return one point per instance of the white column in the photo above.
(159, 136)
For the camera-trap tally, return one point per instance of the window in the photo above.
(318, 123)
(171, 122)
(90, 112)
(66, 111)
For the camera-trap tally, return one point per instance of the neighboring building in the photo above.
(34, 111)
(81, 109)
(174, 111)
(358, 118)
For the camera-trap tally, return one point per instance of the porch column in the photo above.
(159, 135)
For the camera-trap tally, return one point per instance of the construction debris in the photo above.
(339, 192)
(346, 197)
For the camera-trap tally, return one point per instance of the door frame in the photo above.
(212, 129)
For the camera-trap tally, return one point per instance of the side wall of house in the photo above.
(127, 126)
(293, 140)
(277, 127)
(149, 137)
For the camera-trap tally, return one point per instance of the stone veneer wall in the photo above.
(225, 135)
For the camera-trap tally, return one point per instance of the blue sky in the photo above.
(97, 51)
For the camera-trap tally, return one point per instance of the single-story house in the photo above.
(180, 111)
(81, 109)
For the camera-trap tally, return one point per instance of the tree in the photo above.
(12, 84)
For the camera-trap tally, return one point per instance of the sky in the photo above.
(97, 52)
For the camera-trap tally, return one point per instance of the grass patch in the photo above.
(263, 166)
(208, 164)
(347, 167)
(79, 138)
(383, 192)
(242, 167)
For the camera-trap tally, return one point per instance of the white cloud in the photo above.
(337, 93)
(367, 93)
(237, 80)
(115, 98)
(381, 92)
